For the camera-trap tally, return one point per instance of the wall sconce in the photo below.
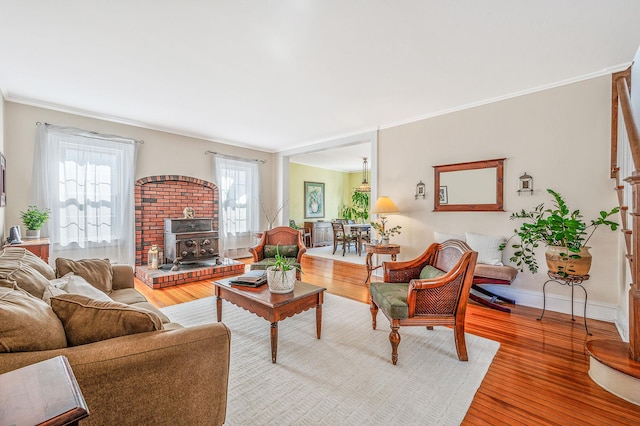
(525, 184)
(420, 190)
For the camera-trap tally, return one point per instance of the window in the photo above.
(86, 180)
(238, 191)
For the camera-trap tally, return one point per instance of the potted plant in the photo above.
(564, 232)
(33, 220)
(281, 273)
(385, 234)
(359, 208)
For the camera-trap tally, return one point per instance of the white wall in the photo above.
(2, 131)
(161, 154)
(559, 136)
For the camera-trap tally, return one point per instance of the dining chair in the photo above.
(342, 237)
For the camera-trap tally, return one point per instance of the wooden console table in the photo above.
(45, 393)
(371, 249)
(39, 247)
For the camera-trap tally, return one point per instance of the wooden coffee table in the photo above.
(271, 306)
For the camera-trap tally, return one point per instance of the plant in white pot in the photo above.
(281, 273)
(564, 232)
(33, 220)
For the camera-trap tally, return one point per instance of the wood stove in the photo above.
(190, 241)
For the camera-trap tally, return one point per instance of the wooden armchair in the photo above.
(288, 242)
(432, 289)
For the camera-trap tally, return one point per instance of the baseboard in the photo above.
(595, 310)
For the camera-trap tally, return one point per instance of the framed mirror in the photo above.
(475, 186)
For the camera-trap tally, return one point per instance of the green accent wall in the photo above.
(338, 187)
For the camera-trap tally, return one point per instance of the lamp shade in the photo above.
(384, 205)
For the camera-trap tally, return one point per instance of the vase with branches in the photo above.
(271, 214)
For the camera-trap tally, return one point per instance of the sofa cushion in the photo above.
(86, 320)
(25, 256)
(284, 250)
(97, 272)
(487, 246)
(26, 322)
(27, 278)
(73, 284)
(128, 296)
(430, 272)
(149, 307)
(391, 298)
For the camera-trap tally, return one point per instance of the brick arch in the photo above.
(160, 197)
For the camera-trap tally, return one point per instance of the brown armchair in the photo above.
(288, 242)
(432, 289)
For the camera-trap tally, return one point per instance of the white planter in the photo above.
(279, 281)
(32, 234)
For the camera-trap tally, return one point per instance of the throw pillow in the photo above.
(487, 246)
(26, 322)
(73, 284)
(430, 272)
(441, 237)
(97, 272)
(25, 256)
(285, 250)
(86, 320)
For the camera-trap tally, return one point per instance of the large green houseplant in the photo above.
(563, 231)
(359, 208)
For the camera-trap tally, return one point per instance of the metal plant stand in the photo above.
(572, 281)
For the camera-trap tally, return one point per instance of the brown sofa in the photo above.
(173, 375)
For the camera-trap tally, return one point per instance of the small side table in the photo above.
(572, 281)
(371, 249)
(39, 247)
(44, 393)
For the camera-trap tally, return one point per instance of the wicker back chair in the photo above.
(342, 237)
(288, 242)
(432, 289)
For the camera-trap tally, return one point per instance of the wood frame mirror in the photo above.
(475, 186)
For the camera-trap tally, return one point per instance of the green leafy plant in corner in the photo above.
(557, 226)
(34, 217)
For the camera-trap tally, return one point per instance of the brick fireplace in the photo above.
(165, 197)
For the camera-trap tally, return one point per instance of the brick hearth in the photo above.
(162, 197)
(160, 278)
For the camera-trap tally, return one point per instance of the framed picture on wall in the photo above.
(444, 196)
(313, 200)
(3, 181)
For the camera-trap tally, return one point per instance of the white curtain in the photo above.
(237, 182)
(86, 180)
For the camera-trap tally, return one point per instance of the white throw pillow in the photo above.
(441, 237)
(51, 291)
(487, 246)
(75, 284)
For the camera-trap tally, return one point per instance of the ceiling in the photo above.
(281, 74)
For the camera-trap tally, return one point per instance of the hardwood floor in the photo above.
(538, 377)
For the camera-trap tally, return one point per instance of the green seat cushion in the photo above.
(430, 272)
(391, 298)
(285, 250)
(265, 263)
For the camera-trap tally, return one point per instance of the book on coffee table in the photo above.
(251, 279)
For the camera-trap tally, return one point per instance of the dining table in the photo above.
(358, 229)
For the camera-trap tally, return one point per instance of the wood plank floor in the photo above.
(538, 377)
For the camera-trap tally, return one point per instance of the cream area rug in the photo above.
(326, 253)
(346, 377)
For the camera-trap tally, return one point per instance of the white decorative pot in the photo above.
(280, 281)
(33, 234)
(559, 260)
